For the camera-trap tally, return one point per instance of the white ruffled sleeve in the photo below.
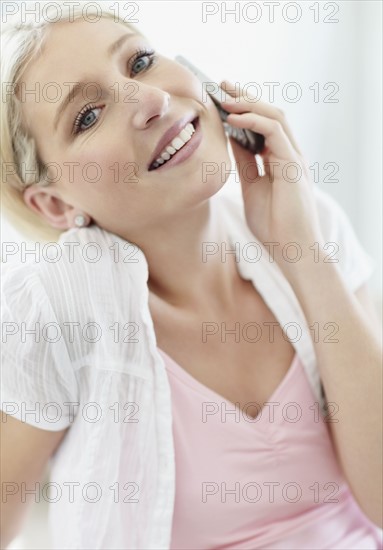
(38, 383)
(355, 263)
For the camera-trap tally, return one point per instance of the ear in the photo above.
(48, 205)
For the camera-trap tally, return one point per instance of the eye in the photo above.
(142, 60)
(86, 117)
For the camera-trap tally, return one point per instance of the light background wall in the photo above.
(348, 133)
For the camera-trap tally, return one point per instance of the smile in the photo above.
(180, 147)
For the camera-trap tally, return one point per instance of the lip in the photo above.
(170, 134)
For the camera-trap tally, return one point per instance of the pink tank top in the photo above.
(270, 483)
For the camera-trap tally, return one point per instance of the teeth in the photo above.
(185, 135)
(177, 143)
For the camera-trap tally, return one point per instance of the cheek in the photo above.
(183, 83)
(194, 89)
(187, 85)
(102, 168)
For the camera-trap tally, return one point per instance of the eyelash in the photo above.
(88, 108)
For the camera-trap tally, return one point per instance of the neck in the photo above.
(179, 271)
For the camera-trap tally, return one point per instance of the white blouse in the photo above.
(79, 351)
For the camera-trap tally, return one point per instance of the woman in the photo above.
(142, 375)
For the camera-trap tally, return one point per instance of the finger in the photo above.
(237, 92)
(275, 138)
(250, 103)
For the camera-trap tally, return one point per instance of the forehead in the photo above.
(69, 44)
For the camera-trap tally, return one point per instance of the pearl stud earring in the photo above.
(80, 220)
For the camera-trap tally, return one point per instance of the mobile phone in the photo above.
(250, 140)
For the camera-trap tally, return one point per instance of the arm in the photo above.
(25, 452)
(351, 372)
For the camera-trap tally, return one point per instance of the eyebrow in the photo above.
(79, 86)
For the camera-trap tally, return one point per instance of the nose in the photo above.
(152, 103)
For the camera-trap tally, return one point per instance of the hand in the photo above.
(280, 205)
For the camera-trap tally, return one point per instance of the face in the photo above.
(101, 144)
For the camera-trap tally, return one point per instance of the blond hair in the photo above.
(22, 38)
